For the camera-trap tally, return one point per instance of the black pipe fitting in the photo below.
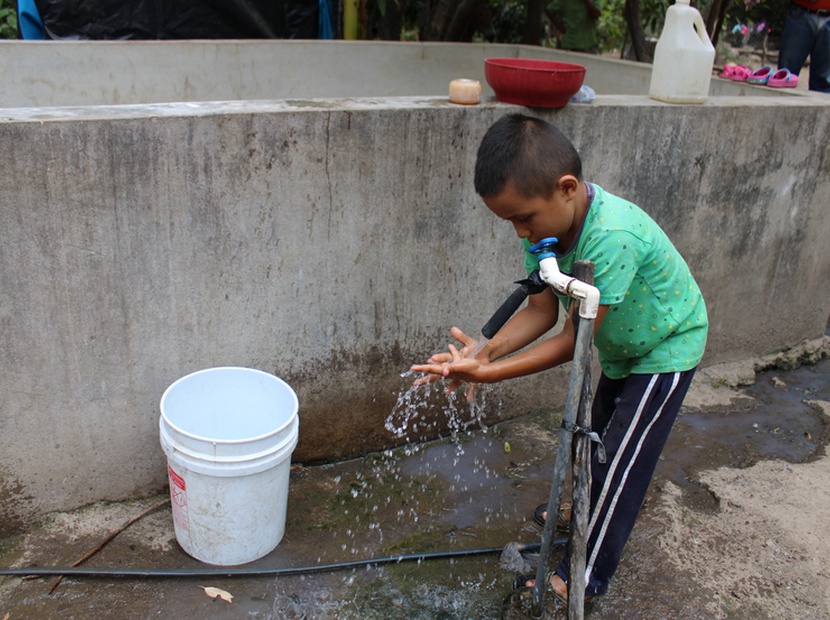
(532, 285)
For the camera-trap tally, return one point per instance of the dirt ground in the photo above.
(733, 526)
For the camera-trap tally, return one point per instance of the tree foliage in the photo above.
(511, 19)
(8, 19)
(770, 12)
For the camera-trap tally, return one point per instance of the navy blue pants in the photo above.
(806, 34)
(634, 417)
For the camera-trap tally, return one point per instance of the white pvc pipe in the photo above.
(570, 286)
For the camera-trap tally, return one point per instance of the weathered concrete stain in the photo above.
(13, 504)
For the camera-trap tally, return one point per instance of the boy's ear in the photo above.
(568, 185)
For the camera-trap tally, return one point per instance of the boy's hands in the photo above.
(459, 365)
(468, 345)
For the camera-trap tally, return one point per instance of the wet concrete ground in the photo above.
(477, 492)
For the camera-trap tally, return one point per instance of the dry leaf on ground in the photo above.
(214, 592)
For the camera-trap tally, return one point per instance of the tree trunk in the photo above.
(714, 20)
(463, 21)
(389, 28)
(439, 19)
(533, 25)
(631, 11)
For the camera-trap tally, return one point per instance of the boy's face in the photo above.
(537, 217)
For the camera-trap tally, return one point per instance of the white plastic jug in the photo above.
(683, 58)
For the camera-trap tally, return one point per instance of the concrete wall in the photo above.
(333, 243)
(73, 73)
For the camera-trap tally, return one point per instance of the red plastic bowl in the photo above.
(533, 83)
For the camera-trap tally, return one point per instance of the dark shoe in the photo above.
(520, 582)
(563, 518)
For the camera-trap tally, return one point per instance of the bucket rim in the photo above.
(214, 440)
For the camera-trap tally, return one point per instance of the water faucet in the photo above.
(548, 274)
(565, 284)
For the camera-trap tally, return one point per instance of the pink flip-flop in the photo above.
(783, 78)
(760, 76)
(728, 71)
(737, 73)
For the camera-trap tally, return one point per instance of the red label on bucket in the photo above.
(176, 479)
(178, 500)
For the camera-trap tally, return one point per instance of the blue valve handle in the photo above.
(545, 248)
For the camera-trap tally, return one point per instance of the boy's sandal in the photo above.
(520, 582)
(560, 591)
(760, 76)
(563, 517)
(783, 78)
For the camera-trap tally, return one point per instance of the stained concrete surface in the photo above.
(476, 491)
(159, 240)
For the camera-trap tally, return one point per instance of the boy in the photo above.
(650, 331)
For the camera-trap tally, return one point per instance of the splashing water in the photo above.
(421, 412)
(409, 419)
(407, 422)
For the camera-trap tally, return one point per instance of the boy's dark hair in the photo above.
(528, 151)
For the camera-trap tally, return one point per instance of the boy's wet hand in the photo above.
(468, 343)
(453, 364)
(429, 377)
(440, 358)
(461, 369)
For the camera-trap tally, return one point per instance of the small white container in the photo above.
(683, 59)
(228, 434)
(465, 91)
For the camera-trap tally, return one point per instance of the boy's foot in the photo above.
(563, 518)
(558, 586)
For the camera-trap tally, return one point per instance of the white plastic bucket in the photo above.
(228, 434)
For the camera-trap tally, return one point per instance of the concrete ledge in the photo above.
(130, 72)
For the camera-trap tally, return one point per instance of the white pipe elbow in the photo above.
(572, 287)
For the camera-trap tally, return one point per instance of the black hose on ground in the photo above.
(135, 573)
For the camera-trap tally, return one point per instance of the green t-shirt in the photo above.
(657, 318)
(580, 28)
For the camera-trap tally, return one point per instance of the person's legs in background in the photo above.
(796, 39)
(806, 34)
(820, 56)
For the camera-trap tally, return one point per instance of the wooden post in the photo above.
(583, 270)
(581, 361)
